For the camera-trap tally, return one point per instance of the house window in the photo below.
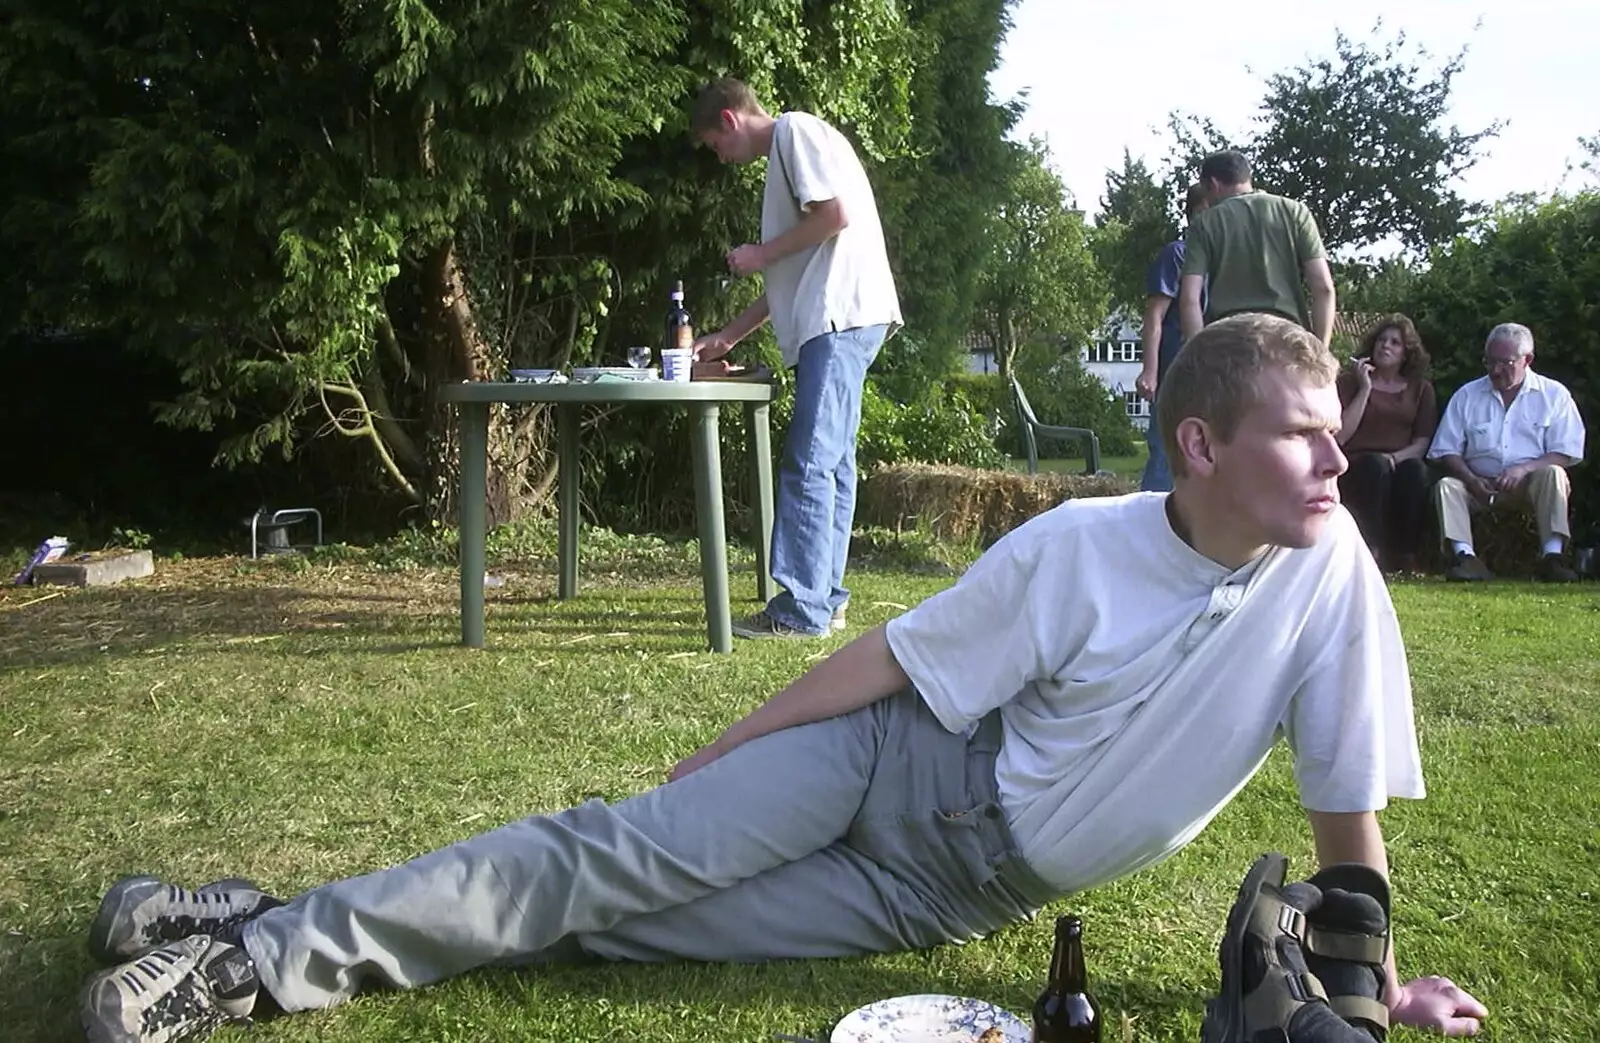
(1131, 352)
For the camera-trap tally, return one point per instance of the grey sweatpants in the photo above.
(873, 832)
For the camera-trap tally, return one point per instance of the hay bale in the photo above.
(1506, 537)
(1508, 540)
(967, 504)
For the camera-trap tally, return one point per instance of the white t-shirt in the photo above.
(1489, 437)
(1141, 685)
(845, 282)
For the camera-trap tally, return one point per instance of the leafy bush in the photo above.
(944, 424)
(1533, 263)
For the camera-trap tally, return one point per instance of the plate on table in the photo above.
(537, 376)
(586, 374)
(929, 1019)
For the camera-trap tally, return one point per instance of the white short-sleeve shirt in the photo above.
(1478, 426)
(1141, 685)
(843, 283)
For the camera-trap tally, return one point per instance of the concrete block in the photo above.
(98, 569)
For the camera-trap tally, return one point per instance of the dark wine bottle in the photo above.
(1064, 1011)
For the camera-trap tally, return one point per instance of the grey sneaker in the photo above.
(761, 625)
(140, 913)
(836, 622)
(178, 992)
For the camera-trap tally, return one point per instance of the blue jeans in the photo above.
(816, 501)
(1157, 473)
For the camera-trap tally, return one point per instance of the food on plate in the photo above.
(992, 1035)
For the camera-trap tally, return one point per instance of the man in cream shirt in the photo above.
(1507, 437)
(831, 297)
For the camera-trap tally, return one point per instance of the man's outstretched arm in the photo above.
(1429, 1003)
(857, 675)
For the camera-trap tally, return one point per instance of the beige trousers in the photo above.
(1546, 490)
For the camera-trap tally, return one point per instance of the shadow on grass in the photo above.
(40, 981)
(40, 628)
(845, 984)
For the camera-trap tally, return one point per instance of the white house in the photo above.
(1115, 358)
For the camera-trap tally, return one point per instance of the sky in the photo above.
(1103, 74)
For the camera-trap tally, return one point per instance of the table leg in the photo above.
(713, 538)
(757, 414)
(567, 421)
(470, 509)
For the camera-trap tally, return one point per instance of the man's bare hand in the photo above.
(1439, 1005)
(1512, 478)
(1145, 385)
(1481, 489)
(712, 346)
(747, 259)
(699, 759)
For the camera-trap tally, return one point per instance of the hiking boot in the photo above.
(178, 992)
(1553, 570)
(140, 913)
(761, 626)
(1467, 568)
(1346, 942)
(1269, 994)
(836, 621)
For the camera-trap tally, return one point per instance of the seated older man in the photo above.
(1507, 437)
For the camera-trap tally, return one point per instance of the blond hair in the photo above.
(1217, 375)
(717, 96)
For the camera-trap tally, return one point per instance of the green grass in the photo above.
(297, 721)
(1131, 466)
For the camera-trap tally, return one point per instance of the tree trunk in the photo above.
(1006, 343)
(458, 352)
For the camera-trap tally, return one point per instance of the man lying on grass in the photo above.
(1078, 706)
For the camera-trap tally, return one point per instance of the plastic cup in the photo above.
(677, 364)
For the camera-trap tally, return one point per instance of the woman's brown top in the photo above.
(1392, 418)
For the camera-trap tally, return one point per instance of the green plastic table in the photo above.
(703, 399)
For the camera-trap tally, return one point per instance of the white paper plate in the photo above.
(584, 374)
(928, 1019)
(537, 376)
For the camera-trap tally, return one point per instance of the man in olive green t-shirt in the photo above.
(1249, 253)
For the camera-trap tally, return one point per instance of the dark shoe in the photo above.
(1347, 943)
(1467, 568)
(1553, 570)
(140, 913)
(761, 626)
(836, 622)
(178, 992)
(1268, 991)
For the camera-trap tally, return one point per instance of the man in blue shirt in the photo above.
(1162, 336)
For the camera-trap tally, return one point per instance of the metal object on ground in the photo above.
(272, 525)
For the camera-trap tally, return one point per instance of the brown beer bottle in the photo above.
(1064, 1011)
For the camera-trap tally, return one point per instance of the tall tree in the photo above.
(1591, 153)
(325, 211)
(1137, 218)
(1363, 138)
(938, 198)
(1041, 281)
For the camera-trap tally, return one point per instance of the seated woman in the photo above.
(1389, 417)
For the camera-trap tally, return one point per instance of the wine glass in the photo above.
(639, 357)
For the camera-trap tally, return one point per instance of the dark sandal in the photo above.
(1333, 943)
(1260, 916)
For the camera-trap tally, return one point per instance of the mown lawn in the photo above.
(295, 721)
(1130, 466)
